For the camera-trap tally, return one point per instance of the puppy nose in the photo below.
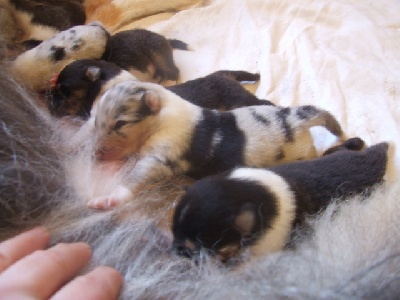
(101, 153)
(182, 250)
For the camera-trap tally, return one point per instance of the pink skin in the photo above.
(120, 194)
(104, 154)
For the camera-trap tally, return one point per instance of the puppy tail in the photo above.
(312, 116)
(178, 44)
(238, 75)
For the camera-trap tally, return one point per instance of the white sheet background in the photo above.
(343, 56)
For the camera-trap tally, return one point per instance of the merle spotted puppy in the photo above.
(81, 83)
(165, 136)
(258, 208)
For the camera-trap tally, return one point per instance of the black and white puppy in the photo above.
(146, 54)
(166, 135)
(81, 83)
(258, 208)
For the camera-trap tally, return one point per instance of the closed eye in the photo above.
(119, 124)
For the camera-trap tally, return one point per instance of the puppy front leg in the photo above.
(147, 169)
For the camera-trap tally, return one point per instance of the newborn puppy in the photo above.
(166, 135)
(145, 51)
(259, 207)
(40, 20)
(36, 67)
(82, 82)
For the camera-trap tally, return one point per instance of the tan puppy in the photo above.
(165, 135)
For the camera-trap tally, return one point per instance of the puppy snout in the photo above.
(181, 249)
(103, 153)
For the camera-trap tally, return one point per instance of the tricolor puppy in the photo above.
(166, 135)
(81, 83)
(146, 54)
(36, 67)
(258, 208)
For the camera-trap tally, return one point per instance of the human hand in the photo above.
(29, 272)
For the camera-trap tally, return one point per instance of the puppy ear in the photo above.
(152, 101)
(93, 73)
(245, 219)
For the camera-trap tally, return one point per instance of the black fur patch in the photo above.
(58, 53)
(355, 144)
(178, 44)
(206, 158)
(207, 212)
(219, 90)
(260, 118)
(282, 116)
(340, 174)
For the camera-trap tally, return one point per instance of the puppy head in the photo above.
(79, 84)
(125, 117)
(222, 215)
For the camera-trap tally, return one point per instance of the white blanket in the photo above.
(343, 56)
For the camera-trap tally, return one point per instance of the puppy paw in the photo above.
(103, 203)
(120, 195)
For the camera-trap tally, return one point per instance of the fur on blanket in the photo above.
(341, 55)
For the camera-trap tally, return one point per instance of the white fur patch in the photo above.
(275, 238)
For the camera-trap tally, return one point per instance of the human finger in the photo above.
(40, 274)
(103, 283)
(21, 245)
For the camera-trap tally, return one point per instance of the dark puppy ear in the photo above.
(245, 219)
(93, 73)
(152, 101)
